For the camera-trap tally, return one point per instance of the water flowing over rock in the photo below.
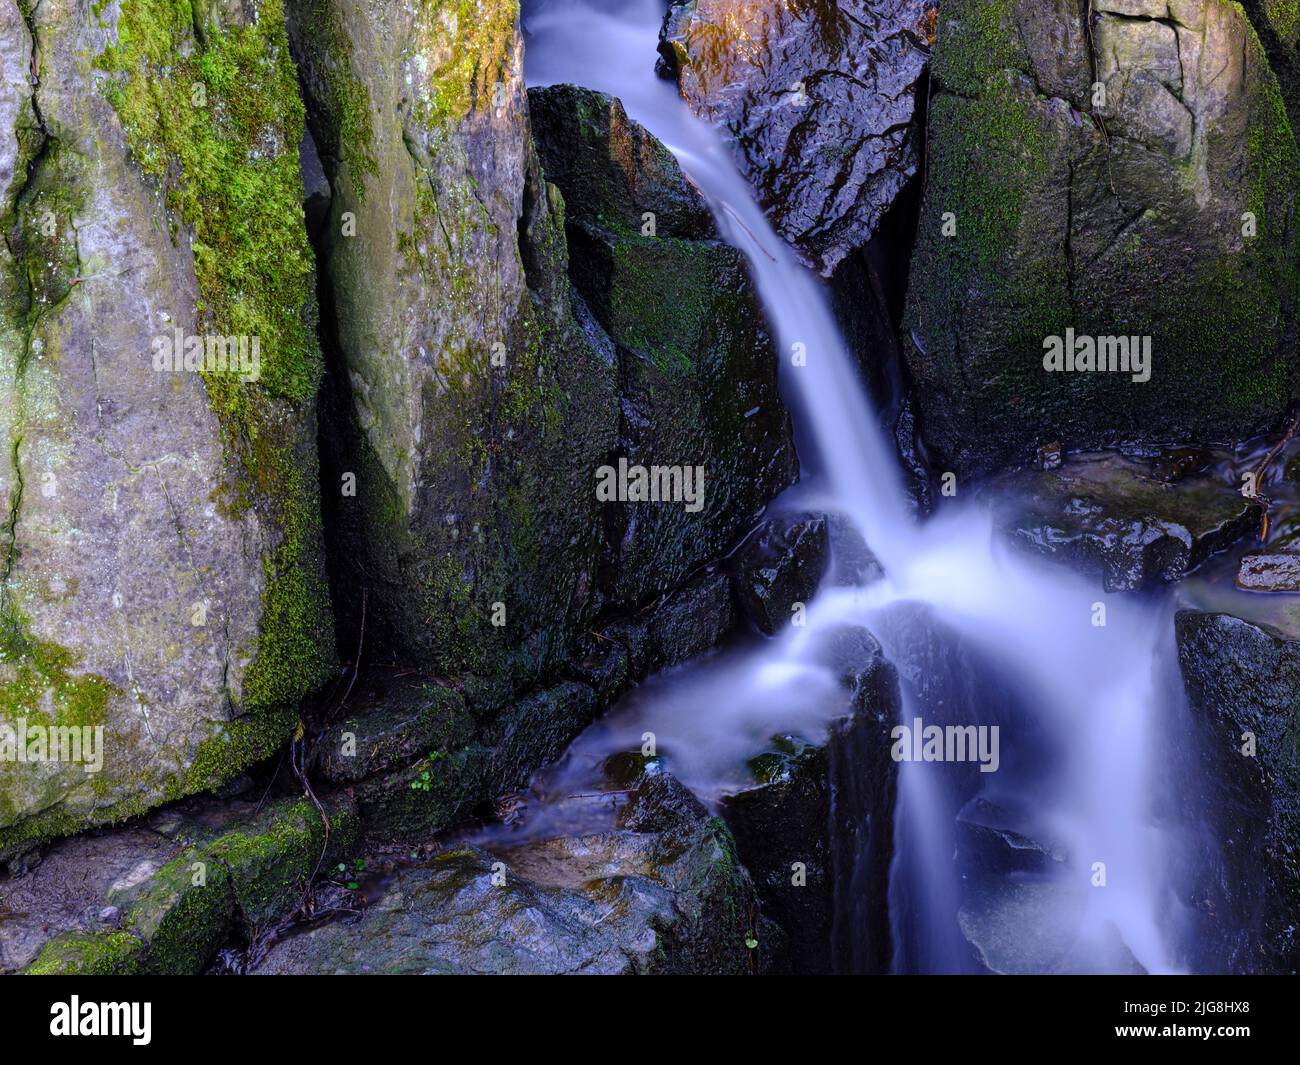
(1135, 176)
(1113, 514)
(815, 825)
(1018, 911)
(819, 99)
(162, 561)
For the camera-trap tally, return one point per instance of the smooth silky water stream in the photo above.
(1082, 707)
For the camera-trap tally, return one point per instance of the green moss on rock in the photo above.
(105, 953)
(1045, 210)
(211, 111)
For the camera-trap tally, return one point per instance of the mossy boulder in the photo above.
(395, 719)
(417, 760)
(1278, 24)
(163, 897)
(468, 407)
(818, 100)
(161, 560)
(1132, 177)
(697, 370)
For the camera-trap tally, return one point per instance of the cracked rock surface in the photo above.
(818, 99)
(139, 553)
(1134, 175)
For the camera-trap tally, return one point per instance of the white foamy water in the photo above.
(1091, 692)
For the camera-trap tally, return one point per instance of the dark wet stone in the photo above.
(1244, 679)
(454, 774)
(1269, 571)
(852, 563)
(537, 729)
(780, 564)
(1178, 463)
(586, 141)
(690, 622)
(819, 100)
(392, 720)
(993, 840)
(605, 666)
(1107, 513)
(664, 893)
(827, 804)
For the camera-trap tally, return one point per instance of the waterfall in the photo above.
(1018, 642)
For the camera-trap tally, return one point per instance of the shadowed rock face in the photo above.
(466, 397)
(1278, 24)
(1243, 683)
(779, 565)
(819, 99)
(1100, 177)
(696, 366)
(161, 555)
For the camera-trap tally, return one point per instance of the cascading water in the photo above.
(1078, 702)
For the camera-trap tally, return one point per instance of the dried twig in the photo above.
(1262, 469)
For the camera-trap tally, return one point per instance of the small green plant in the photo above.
(358, 866)
(424, 779)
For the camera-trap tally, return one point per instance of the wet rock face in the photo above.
(472, 401)
(819, 100)
(588, 144)
(417, 760)
(663, 892)
(696, 368)
(780, 564)
(1124, 518)
(1269, 571)
(161, 562)
(1020, 905)
(1243, 683)
(820, 811)
(1069, 165)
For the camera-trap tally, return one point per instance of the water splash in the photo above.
(1084, 697)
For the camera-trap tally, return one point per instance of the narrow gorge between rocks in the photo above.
(588, 486)
(1036, 658)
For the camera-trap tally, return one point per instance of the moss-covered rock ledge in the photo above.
(161, 566)
(164, 895)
